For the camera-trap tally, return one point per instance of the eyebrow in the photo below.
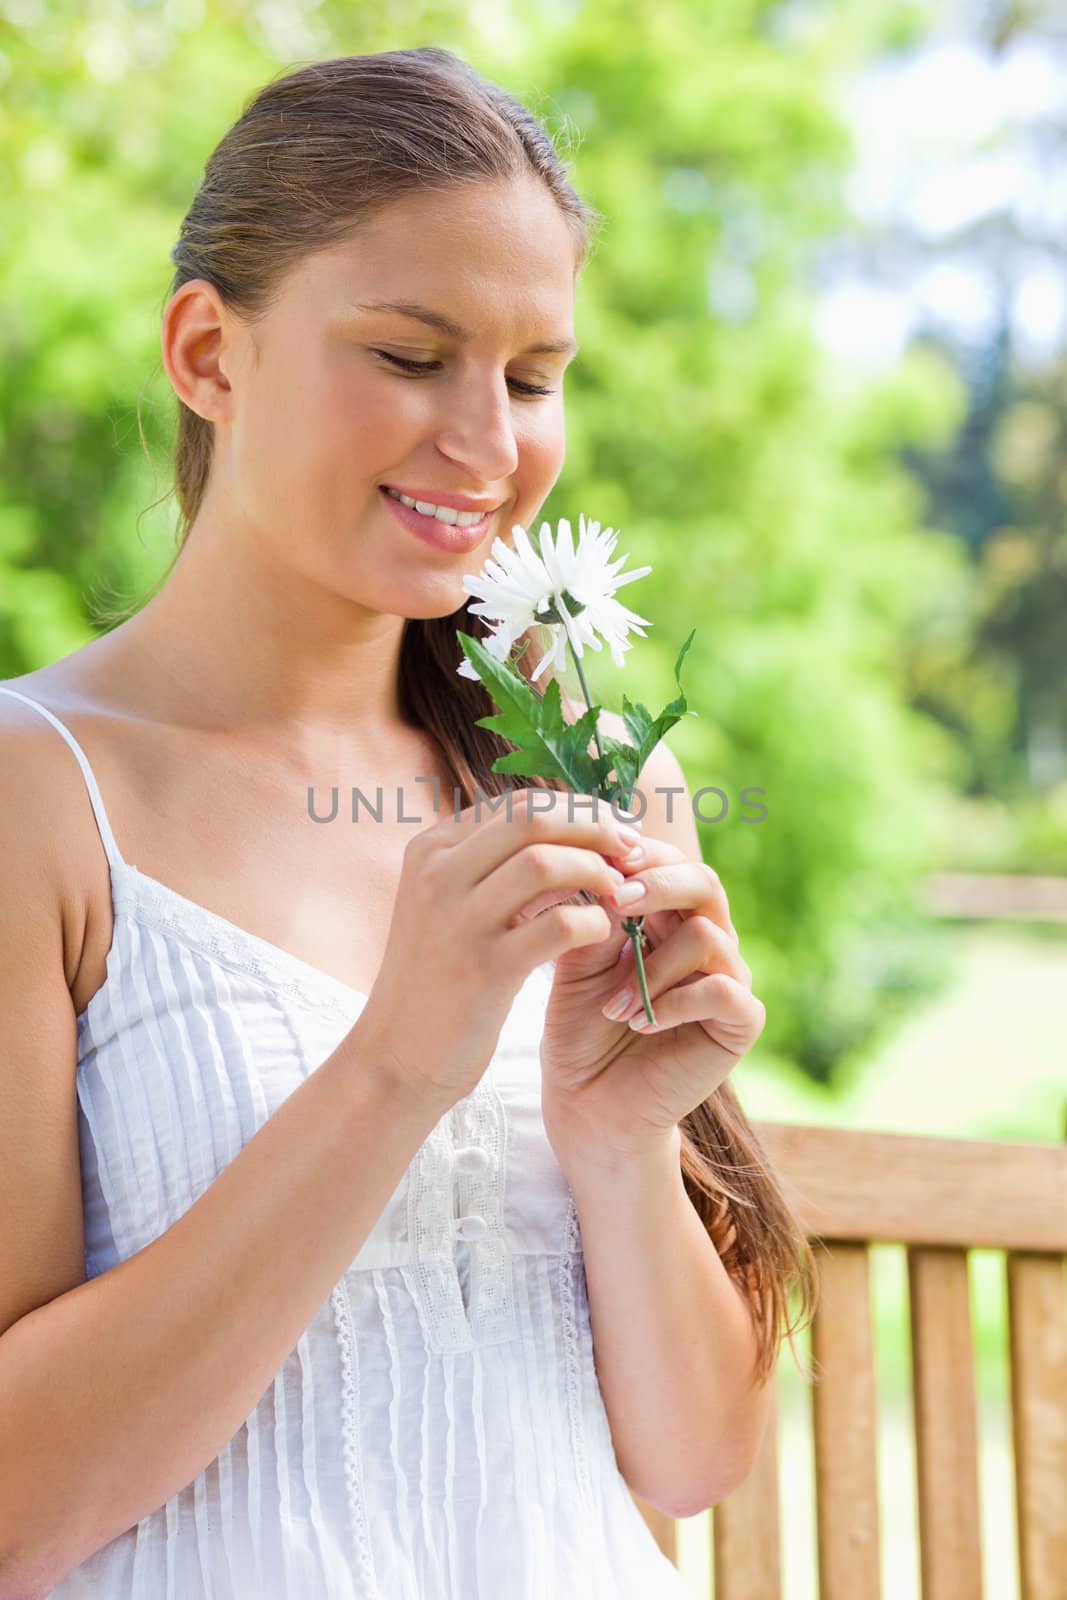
(443, 324)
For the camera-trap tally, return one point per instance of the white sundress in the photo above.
(438, 1432)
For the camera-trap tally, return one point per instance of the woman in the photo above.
(322, 1159)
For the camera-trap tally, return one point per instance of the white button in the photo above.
(472, 1159)
(471, 1227)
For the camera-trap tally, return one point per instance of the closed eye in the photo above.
(435, 366)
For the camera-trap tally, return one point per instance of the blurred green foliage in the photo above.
(765, 491)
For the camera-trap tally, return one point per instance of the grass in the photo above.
(984, 1059)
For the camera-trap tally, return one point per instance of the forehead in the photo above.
(479, 254)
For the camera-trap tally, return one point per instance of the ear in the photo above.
(198, 342)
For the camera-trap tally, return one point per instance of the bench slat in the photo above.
(845, 1417)
(946, 1426)
(897, 1188)
(940, 1198)
(746, 1533)
(1037, 1319)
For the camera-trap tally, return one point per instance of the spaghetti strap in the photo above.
(106, 835)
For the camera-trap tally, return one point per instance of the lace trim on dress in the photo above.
(152, 902)
(483, 1121)
(439, 1198)
(443, 1194)
(346, 1344)
(571, 1261)
(435, 1282)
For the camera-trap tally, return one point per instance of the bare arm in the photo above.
(675, 1347)
(117, 1393)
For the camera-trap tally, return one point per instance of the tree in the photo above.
(703, 422)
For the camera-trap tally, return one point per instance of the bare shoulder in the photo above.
(42, 1242)
(27, 736)
(30, 749)
(43, 804)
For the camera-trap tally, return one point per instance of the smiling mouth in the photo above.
(394, 493)
(456, 537)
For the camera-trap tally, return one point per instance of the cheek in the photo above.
(542, 441)
(296, 407)
(378, 420)
(350, 430)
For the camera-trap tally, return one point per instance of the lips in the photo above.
(443, 497)
(445, 536)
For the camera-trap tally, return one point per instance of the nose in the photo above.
(480, 435)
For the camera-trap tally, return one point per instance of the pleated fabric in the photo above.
(439, 1432)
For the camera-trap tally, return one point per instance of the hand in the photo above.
(609, 1093)
(460, 942)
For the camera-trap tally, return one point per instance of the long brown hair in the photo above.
(315, 153)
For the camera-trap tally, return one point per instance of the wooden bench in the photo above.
(939, 1198)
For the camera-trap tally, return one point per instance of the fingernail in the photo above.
(629, 893)
(632, 857)
(618, 1004)
(629, 836)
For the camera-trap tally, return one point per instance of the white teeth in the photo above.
(462, 519)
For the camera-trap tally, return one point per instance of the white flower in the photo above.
(572, 592)
(498, 643)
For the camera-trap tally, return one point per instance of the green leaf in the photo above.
(622, 758)
(546, 746)
(646, 730)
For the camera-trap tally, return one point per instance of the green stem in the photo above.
(633, 926)
(576, 658)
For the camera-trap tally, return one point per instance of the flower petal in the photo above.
(515, 589)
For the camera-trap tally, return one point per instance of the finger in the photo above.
(565, 816)
(557, 897)
(683, 885)
(698, 949)
(533, 800)
(619, 944)
(457, 825)
(654, 852)
(539, 876)
(651, 852)
(565, 897)
(535, 816)
(454, 828)
(728, 1012)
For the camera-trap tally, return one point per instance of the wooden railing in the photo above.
(939, 1198)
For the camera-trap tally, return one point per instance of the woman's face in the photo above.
(312, 417)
